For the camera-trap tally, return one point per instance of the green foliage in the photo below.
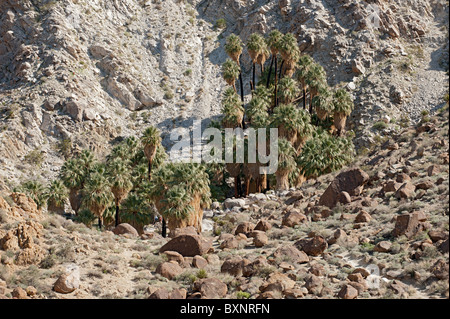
(380, 125)
(230, 71)
(221, 23)
(233, 46)
(342, 102)
(324, 153)
(35, 157)
(56, 193)
(35, 190)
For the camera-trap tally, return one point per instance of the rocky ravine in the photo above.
(82, 74)
(378, 229)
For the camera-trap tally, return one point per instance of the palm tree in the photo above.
(150, 139)
(286, 163)
(288, 90)
(56, 194)
(289, 52)
(97, 195)
(324, 153)
(263, 55)
(273, 42)
(255, 46)
(342, 107)
(305, 129)
(285, 118)
(303, 66)
(232, 110)
(233, 47)
(180, 192)
(121, 183)
(35, 190)
(322, 102)
(230, 71)
(74, 173)
(315, 78)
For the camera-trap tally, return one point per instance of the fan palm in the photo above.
(322, 102)
(303, 66)
(233, 47)
(56, 196)
(97, 195)
(342, 107)
(315, 78)
(35, 190)
(232, 110)
(255, 47)
(305, 129)
(121, 183)
(288, 90)
(150, 139)
(273, 42)
(286, 163)
(285, 118)
(230, 71)
(289, 52)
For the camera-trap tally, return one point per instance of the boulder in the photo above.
(199, 262)
(234, 266)
(351, 181)
(160, 293)
(69, 281)
(291, 253)
(363, 217)
(348, 292)
(178, 293)
(313, 284)
(405, 191)
(251, 268)
(229, 203)
(383, 246)
(169, 270)
(229, 243)
(19, 293)
(263, 225)
(260, 238)
(312, 246)
(407, 224)
(125, 229)
(293, 217)
(277, 282)
(211, 288)
(244, 228)
(174, 256)
(188, 245)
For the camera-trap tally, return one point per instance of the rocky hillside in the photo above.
(378, 229)
(80, 74)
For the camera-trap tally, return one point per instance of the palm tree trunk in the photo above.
(281, 69)
(242, 86)
(270, 72)
(276, 81)
(149, 170)
(254, 75)
(304, 97)
(117, 215)
(164, 228)
(100, 223)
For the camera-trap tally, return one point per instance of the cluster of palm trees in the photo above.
(296, 99)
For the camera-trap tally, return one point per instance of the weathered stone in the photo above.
(234, 266)
(291, 253)
(244, 228)
(312, 246)
(69, 281)
(174, 256)
(263, 225)
(199, 262)
(211, 288)
(348, 292)
(292, 218)
(351, 181)
(126, 230)
(407, 224)
(169, 270)
(160, 293)
(260, 239)
(188, 245)
(363, 217)
(383, 246)
(178, 293)
(405, 191)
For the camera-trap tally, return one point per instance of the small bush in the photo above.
(380, 126)
(221, 24)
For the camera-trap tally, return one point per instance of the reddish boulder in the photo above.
(312, 246)
(351, 181)
(188, 245)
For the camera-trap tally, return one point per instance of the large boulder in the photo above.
(234, 266)
(188, 245)
(169, 270)
(69, 281)
(408, 225)
(312, 246)
(292, 218)
(291, 253)
(211, 288)
(351, 181)
(125, 229)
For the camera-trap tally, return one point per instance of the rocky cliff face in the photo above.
(81, 74)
